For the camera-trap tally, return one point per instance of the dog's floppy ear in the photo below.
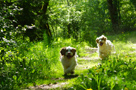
(97, 40)
(105, 38)
(63, 51)
(74, 51)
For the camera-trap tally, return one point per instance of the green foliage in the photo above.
(113, 74)
(29, 62)
(127, 15)
(8, 22)
(59, 24)
(88, 17)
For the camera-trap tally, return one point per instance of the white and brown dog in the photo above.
(68, 59)
(105, 47)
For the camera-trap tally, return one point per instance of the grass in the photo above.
(41, 52)
(114, 73)
(32, 64)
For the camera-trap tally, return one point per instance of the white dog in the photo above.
(68, 59)
(105, 47)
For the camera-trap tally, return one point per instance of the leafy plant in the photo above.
(111, 74)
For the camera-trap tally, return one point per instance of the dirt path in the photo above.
(85, 62)
(47, 87)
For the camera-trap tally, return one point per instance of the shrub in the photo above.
(114, 74)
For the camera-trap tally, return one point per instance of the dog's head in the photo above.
(68, 51)
(101, 40)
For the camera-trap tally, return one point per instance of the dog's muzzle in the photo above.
(69, 55)
(101, 43)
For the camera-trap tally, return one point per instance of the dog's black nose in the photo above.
(69, 53)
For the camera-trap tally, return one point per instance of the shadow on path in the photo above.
(70, 76)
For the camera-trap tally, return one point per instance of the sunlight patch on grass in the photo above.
(118, 68)
(46, 59)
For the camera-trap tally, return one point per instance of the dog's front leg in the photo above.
(102, 55)
(71, 68)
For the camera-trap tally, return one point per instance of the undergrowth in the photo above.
(112, 74)
(24, 64)
(115, 73)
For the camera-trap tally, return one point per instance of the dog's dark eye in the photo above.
(66, 50)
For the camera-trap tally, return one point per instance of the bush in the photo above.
(114, 74)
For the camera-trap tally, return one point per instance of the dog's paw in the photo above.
(72, 72)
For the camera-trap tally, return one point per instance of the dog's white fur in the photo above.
(68, 59)
(105, 47)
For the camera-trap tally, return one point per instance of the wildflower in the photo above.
(98, 70)
(24, 68)
(126, 88)
(126, 56)
(1, 30)
(95, 68)
(99, 64)
(17, 51)
(113, 40)
(16, 72)
(89, 89)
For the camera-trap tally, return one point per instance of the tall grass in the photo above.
(115, 73)
(33, 63)
(37, 62)
(112, 74)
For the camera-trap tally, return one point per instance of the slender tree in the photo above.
(35, 10)
(113, 6)
(44, 21)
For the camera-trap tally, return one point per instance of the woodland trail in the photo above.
(84, 62)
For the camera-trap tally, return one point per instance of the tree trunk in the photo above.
(113, 6)
(69, 24)
(46, 26)
(44, 21)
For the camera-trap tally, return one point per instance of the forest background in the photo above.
(30, 26)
